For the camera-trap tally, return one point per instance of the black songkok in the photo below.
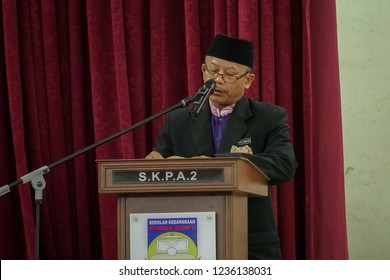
(232, 49)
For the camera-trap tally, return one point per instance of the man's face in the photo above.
(226, 93)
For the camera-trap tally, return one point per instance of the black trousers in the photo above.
(264, 251)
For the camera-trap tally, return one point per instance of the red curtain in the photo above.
(75, 72)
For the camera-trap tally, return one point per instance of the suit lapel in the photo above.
(237, 127)
(202, 133)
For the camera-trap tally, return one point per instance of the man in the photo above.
(234, 125)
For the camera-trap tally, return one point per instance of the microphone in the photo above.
(202, 96)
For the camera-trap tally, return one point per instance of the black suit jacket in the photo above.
(265, 126)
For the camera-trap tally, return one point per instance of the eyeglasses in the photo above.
(231, 79)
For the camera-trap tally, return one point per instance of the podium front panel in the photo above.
(231, 225)
(219, 185)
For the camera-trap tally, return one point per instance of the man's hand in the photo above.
(154, 155)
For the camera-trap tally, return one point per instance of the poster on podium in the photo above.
(173, 236)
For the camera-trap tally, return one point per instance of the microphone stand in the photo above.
(38, 182)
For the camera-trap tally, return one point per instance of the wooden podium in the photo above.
(221, 185)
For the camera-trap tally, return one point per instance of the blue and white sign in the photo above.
(173, 236)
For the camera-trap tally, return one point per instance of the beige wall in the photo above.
(364, 53)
